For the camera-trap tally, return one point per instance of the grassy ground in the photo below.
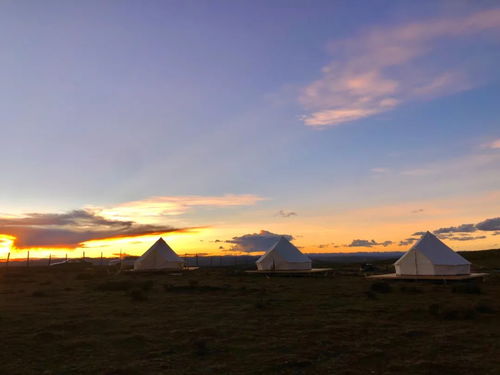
(221, 321)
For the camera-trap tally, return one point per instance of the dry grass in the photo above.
(221, 321)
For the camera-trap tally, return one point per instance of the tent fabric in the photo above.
(430, 256)
(157, 257)
(283, 256)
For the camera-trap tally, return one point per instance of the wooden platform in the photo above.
(292, 272)
(393, 276)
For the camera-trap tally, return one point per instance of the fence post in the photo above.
(28, 259)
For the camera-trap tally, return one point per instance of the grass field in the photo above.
(222, 321)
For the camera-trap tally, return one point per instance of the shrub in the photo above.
(115, 285)
(193, 283)
(410, 289)
(484, 308)
(381, 287)
(200, 347)
(370, 295)
(147, 285)
(167, 287)
(458, 314)
(85, 276)
(260, 304)
(138, 295)
(434, 309)
(467, 289)
(39, 293)
(452, 312)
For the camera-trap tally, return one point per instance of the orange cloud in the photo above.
(72, 229)
(82, 228)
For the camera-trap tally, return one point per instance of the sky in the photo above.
(220, 125)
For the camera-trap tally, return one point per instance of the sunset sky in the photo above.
(346, 125)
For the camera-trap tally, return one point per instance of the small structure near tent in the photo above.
(160, 256)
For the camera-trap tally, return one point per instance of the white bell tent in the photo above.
(159, 256)
(430, 256)
(283, 256)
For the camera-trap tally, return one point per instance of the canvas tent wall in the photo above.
(430, 256)
(159, 256)
(283, 256)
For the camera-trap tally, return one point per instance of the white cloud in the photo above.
(467, 163)
(418, 172)
(379, 170)
(378, 70)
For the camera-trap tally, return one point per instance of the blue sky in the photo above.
(322, 109)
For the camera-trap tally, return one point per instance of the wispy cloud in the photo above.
(283, 213)
(492, 224)
(369, 243)
(457, 165)
(383, 68)
(154, 208)
(464, 238)
(379, 170)
(463, 232)
(493, 145)
(464, 228)
(418, 172)
(407, 241)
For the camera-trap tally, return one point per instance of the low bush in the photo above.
(260, 304)
(138, 295)
(484, 307)
(146, 285)
(370, 295)
(192, 288)
(39, 293)
(410, 289)
(435, 309)
(115, 285)
(452, 312)
(467, 288)
(85, 276)
(381, 287)
(200, 347)
(458, 313)
(193, 283)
